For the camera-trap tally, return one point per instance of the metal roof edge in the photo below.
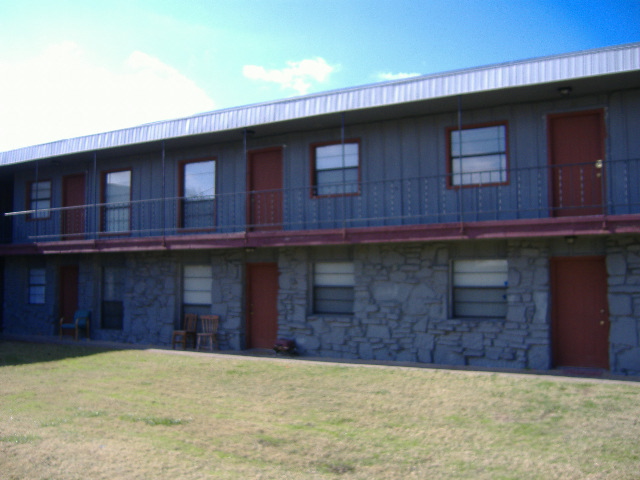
(566, 66)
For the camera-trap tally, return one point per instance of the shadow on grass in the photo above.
(16, 352)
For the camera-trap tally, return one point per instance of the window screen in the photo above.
(333, 290)
(197, 285)
(198, 190)
(37, 283)
(40, 199)
(478, 155)
(480, 288)
(117, 197)
(336, 168)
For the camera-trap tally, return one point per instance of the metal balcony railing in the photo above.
(528, 193)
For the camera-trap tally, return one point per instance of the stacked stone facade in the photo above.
(402, 310)
(402, 307)
(623, 268)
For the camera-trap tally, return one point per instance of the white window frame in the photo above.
(338, 159)
(40, 199)
(476, 160)
(197, 284)
(198, 199)
(37, 286)
(333, 288)
(117, 208)
(479, 288)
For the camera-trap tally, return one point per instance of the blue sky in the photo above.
(76, 67)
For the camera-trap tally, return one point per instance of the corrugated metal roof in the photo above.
(589, 63)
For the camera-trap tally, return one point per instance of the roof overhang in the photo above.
(588, 72)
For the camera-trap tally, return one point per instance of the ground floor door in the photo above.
(580, 314)
(68, 277)
(262, 305)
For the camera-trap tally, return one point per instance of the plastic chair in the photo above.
(209, 331)
(81, 321)
(188, 331)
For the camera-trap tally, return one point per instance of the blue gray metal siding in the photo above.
(403, 168)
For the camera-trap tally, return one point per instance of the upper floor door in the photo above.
(265, 189)
(73, 195)
(576, 156)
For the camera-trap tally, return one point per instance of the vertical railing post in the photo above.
(459, 189)
(96, 213)
(163, 203)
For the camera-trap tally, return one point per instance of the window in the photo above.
(112, 297)
(37, 282)
(196, 291)
(116, 197)
(480, 288)
(478, 156)
(333, 287)
(198, 192)
(335, 168)
(40, 199)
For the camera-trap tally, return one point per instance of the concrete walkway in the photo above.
(571, 374)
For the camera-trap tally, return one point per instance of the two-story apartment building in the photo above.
(486, 217)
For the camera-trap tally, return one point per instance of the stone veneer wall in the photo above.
(150, 287)
(623, 267)
(228, 298)
(402, 304)
(401, 301)
(21, 318)
(152, 297)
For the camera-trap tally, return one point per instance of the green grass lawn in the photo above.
(76, 412)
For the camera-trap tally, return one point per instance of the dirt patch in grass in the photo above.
(140, 414)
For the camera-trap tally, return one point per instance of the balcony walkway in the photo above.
(533, 202)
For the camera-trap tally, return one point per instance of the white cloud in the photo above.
(63, 93)
(298, 76)
(396, 76)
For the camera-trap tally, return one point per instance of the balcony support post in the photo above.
(459, 189)
(164, 193)
(96, 213)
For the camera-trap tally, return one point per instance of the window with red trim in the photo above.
(39, 199)
(478, 155)
(116, 196)
(198, 192)
(336, 168)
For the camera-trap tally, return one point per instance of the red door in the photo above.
(68, 277)
(72, 196)
(580, 317)
(576, 151)
(262, 305)
(265, 189)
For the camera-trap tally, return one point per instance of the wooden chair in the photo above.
(209, 330)
(188, 331)
(81, 321)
